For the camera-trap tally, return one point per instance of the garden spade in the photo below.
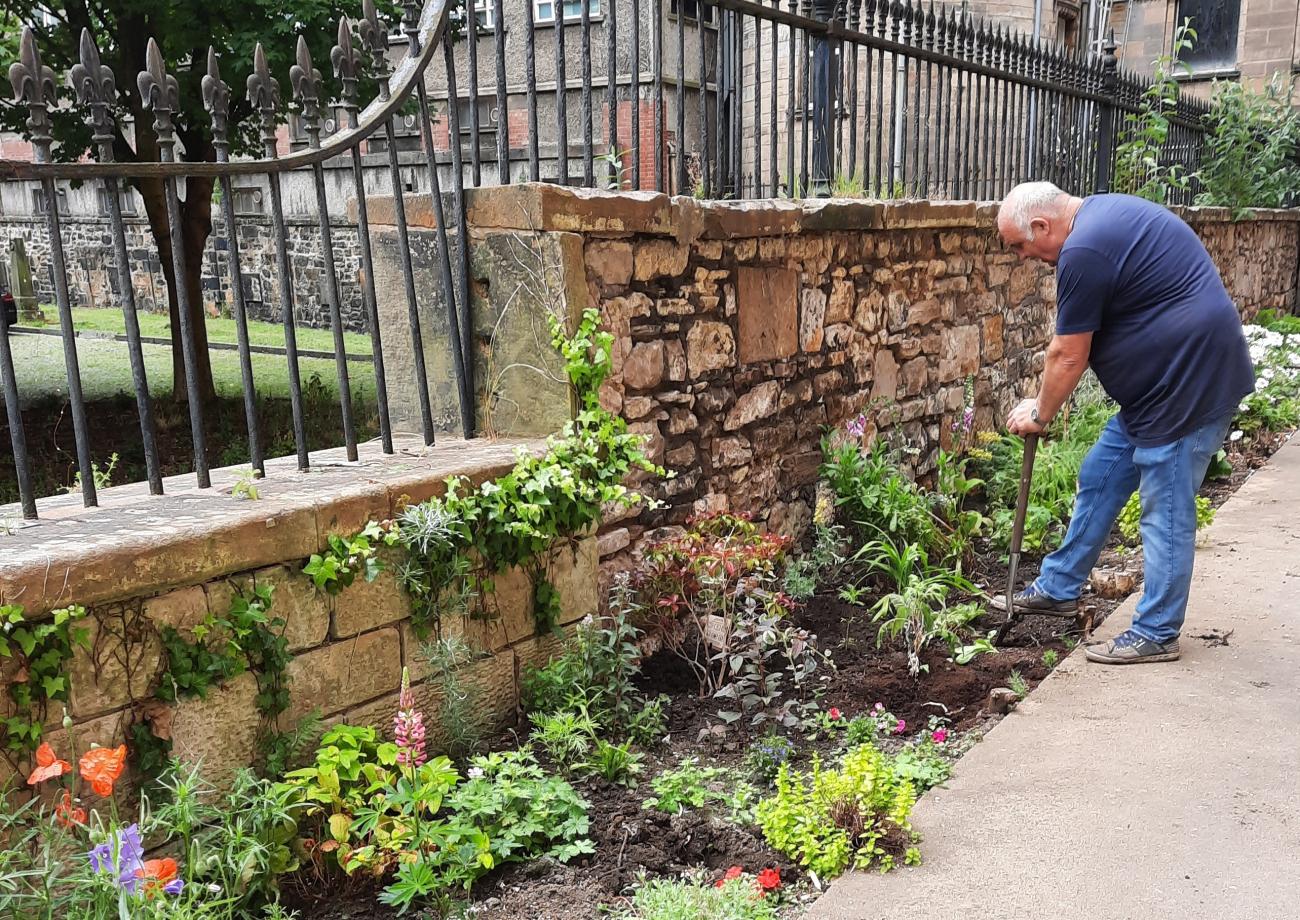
(1018, 533)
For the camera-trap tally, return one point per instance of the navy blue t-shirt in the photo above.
(1167, 342)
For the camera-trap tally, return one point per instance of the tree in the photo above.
(184, 30)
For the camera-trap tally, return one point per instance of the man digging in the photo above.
(1139, 300)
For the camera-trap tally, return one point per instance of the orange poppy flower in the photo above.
(102, 766)
(66, 815)
(47, 765)
(158, 875)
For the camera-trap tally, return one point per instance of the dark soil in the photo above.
(631, 841)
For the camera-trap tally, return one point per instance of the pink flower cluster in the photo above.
(408, 727)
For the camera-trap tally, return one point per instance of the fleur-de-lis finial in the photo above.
(347, 62)
(411, 25)
(160, 92)
(264, 95)
(306, 82)
(94, 86)
(375, 39)
(216, 99)
(33, 85)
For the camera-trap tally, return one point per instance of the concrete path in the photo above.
(1141, 793)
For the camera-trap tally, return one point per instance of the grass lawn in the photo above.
(158, 325)
(106, 370)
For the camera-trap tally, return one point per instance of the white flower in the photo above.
(477, 772)
(1236, 435)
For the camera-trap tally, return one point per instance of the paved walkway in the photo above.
(1143, 793)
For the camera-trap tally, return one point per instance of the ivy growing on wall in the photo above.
(39, 653)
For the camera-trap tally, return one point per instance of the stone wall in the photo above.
(742, 329)
(140, 562)
(92, 272)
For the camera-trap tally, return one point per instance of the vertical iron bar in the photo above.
(14, 412)
(789, 108)
(336, 313)
(611, 93)
(851, 171)
(144, 404)
(530, 64)
(658, 38)
(735, 152)
(408, 272)
(471, 38)
(588, 163)
(805, 141)
(927, 121)
(503, 118)
(1106, 116)
(286, 312)
(943, 111)
(256, 459)
(758, 107)
(880, 106)
(774, 169)
(680, 180)
(915, 32)
(368, 292)
(461, 288)
(636, 94)
(561, 94)
(706, 173)
(868, 22)
(75, 396)
(722, 104)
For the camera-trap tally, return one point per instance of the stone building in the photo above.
(1246, 40)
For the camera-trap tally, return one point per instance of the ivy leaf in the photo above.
(53, 686)
(26, 641)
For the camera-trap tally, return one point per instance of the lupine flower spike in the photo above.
(408, 726)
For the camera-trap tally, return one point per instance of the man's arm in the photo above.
(1067, 359)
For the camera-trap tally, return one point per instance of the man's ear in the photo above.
(1038, 226)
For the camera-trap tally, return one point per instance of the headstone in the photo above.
(20, 275)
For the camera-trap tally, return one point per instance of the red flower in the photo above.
(102, 766)
(733, 872)
(769, 880)
(834, 714)
(47, 765)
(66, 815)
(159, 875)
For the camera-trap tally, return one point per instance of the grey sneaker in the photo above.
(1030, 601)
(1130, 648)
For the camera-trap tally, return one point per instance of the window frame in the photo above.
(594, 15)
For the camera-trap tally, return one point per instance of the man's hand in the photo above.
(1021, 421)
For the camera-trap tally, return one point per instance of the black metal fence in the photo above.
(722, 99)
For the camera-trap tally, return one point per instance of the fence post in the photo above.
(823, 102)
(1106, 115)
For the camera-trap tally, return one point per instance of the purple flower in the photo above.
(858, 426)
(122, 855)
(174, 886)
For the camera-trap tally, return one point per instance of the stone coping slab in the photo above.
(137, 544)
(547, 207)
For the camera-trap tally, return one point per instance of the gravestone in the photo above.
(20, 276)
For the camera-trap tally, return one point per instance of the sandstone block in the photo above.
(680, 457)
(612, 541)
(710, 346)
(681, 421)
(644, 367)
(574, 572)
(659, 258)
(181, 610)
(839, 309)
(124, 659)
(675, 360)
(728, 452)
(768, 307)
(838, 336)
(610, 261)
(367, 605)
(812, 319)
(870, 313)
(1023, 282)
(635, 407)
(654, 447)
(220, 731)
(674, 306)
(915, 375)
(339, 675)
(295, 598)
(760, 402)
(885, 378)
(991, 335)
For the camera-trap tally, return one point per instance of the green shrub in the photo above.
(695, 898)
(690, 786)
(1250, 146)
(829, 820)
(1130, 517)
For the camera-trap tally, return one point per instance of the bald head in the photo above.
(1035, 218)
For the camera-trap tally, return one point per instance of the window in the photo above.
(38, 200)
(125, 201)
(487, 115)
(483, 10)
(248, 200)
(691, 9)
(1215, 22)
(544, 10)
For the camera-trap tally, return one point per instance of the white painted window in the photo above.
(544, 10)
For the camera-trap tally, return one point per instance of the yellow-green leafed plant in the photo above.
(829, 820)
(1130, 517)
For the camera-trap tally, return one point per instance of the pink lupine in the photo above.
(408, 727)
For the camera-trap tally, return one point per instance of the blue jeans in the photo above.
(1168, 478)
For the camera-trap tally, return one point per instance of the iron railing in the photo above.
(721, 99)
(95, 88)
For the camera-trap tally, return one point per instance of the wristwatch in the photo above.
(1033, 415)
